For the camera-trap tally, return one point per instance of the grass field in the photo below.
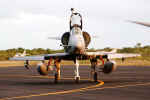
(127, 62)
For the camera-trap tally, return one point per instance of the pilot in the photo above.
(75, 19)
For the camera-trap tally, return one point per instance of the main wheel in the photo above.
(77, 79)
(95, 77)
(56, 78)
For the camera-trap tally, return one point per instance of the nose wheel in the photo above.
(77, 79)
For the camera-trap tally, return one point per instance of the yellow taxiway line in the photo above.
(78, 90)
(89, 88)
(122, 86)
(100, 83)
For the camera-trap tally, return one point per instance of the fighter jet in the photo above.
(21, 54)
(141, 23)
(75, 43)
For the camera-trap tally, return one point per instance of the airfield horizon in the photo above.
(127, 62)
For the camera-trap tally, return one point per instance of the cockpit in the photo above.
(75, 20)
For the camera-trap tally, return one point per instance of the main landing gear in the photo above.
(56, 78)
(93, 69)
(57, 71)
(26, 64)
(95, 77)
(57, 68)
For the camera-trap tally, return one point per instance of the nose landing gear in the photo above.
(77, 76)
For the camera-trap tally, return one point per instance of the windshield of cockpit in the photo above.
(75, 19)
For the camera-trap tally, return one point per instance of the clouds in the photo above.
(60, 7)
(31, 21)
(7, 9)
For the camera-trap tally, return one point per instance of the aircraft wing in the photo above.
(112, 55)
(122, 55)
(39, 57)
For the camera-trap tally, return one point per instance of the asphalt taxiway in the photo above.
(126, 83)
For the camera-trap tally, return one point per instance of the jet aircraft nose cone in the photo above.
(78, 50)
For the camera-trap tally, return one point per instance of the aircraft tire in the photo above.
(77, 79)
(95, 77)
(56, 78)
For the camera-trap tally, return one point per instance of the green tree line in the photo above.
(144, 51)
(6, 54)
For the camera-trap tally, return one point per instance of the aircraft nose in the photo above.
(79, 48)
(79, 45)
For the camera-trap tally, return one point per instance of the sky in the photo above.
(29, 23)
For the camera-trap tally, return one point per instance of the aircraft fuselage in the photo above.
(76, 41)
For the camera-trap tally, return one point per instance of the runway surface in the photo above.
(126, 83)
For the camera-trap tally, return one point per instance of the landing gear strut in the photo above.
(26, 64)
(77, 76)
(93, 69)
(56, 78)
(95, 77)
(57, 72)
